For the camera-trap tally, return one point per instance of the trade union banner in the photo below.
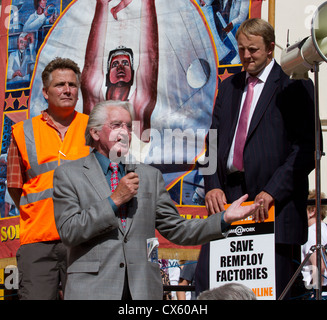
(179, 51)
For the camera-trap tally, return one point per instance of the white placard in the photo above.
(246, 256)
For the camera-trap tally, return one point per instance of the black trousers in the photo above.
(126, 296)
(42, 269)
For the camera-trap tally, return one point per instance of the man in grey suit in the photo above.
(107, 256)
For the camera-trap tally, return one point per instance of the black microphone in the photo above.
(130, 167)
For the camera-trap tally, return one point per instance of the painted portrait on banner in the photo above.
(175, 54)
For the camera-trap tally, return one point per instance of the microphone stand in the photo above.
(318, 248)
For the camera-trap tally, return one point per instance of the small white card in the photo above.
(152, 249)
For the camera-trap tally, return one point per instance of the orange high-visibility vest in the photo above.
(42, 151)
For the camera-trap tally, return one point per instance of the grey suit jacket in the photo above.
(99, 251)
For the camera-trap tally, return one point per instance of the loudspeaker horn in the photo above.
(298, 59)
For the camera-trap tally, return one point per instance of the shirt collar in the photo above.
(263, 75)
(46, 117)
(105, 162)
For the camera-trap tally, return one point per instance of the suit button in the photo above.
(122, 265)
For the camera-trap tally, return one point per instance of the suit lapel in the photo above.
(267, 93)
(94, 174)
(235, 99)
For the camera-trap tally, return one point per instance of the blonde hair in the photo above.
(257, 27)
(323, 208)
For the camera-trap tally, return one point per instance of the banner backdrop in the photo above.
(179, 50)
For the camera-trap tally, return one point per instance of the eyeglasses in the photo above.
(120, 125)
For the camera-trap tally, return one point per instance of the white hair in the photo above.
(99, 116)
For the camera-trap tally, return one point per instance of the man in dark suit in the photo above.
(278, 152)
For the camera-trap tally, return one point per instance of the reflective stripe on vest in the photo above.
(36, 168)
(33, 197)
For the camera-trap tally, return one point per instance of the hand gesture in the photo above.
(237, 212)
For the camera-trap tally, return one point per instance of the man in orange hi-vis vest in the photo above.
(38, 146)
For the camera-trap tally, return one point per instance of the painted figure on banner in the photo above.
(29, 24)
(41, 20)
(120, 66)
(21, 61)
(44, 15)
(224, 17)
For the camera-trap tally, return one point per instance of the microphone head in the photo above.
(130, 167)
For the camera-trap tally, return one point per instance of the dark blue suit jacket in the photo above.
(279, 151)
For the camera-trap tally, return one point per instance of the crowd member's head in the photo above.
(229, 291)
(311, 208)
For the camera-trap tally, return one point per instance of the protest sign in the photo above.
(247, 256)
